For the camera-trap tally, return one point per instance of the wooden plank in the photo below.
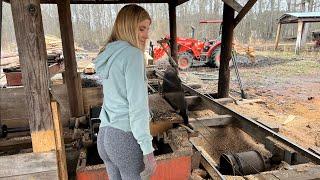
(244, 11)
(277, 36)
(233, 4)
(207, 158)
(61, 155)
(72, 78)
(173, 31)
(13, 105)
(224, 100)
(28, 163)
(226, 48)
(297, 172)
(0, 29)
(92, 97)
(40, 175)
(208, 168)
(221, 120)
(299, 36)
(160, 127)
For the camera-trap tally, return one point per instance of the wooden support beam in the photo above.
(226, 48)
(277, 36)
(179, 2)
(207, 161)
(60, 149)
(244, 11)
(225, 100)
(233, 4)
(33, 59)
(72, 78)
(299, 36)
(173, 30)
(0, 31)
(220, 120)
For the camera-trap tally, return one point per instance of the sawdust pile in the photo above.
(161, 110)
(217, 141)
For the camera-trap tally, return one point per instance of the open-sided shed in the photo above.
(32, 54)
(301, 18)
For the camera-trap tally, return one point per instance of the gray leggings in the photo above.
(121, 154)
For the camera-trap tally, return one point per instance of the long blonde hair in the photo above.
(125, 27)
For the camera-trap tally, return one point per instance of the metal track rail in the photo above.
(255, 129)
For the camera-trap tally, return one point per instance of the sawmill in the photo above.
(49, 130)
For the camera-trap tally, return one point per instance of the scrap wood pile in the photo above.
(245, 49)
(54, 44)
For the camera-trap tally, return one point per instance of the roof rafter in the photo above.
(244, 11)
(233, 4)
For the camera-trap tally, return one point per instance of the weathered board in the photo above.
(13, 111)
(29, 166)
(13, 102)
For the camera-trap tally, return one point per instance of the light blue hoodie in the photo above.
(125, 101)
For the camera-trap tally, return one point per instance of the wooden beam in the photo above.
(33, 59)
(244, 11)
(0, 32)
(225, 100)
(60, 149)
(233, 4)
(226, 48)
(13, 105)
(29, 166)
(173, 30)
(210, 164)
(299, 36)
(221, 120)
(72, 78)
(106, 1)
(179, 2)
(277, 37)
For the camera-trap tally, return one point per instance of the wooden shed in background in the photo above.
(301, 18)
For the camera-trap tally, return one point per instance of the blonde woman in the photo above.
(124, 140)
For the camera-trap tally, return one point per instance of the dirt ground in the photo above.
(287, 85)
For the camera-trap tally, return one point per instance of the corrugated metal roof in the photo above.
(297, 16)
(304, 14)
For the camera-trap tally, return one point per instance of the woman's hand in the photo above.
(149, 166)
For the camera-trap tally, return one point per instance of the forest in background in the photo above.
(92, 23)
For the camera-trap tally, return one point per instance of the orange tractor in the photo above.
(192, 52)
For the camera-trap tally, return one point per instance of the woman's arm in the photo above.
(137, 96)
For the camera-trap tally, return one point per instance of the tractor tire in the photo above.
(215, 58)
(185, 60)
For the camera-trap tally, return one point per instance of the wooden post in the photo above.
(278, 36)
(299, 36)
(33, 59)
(72, 78)
(60, 149)
(226, 49)
(173, 30)
(0, 32)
